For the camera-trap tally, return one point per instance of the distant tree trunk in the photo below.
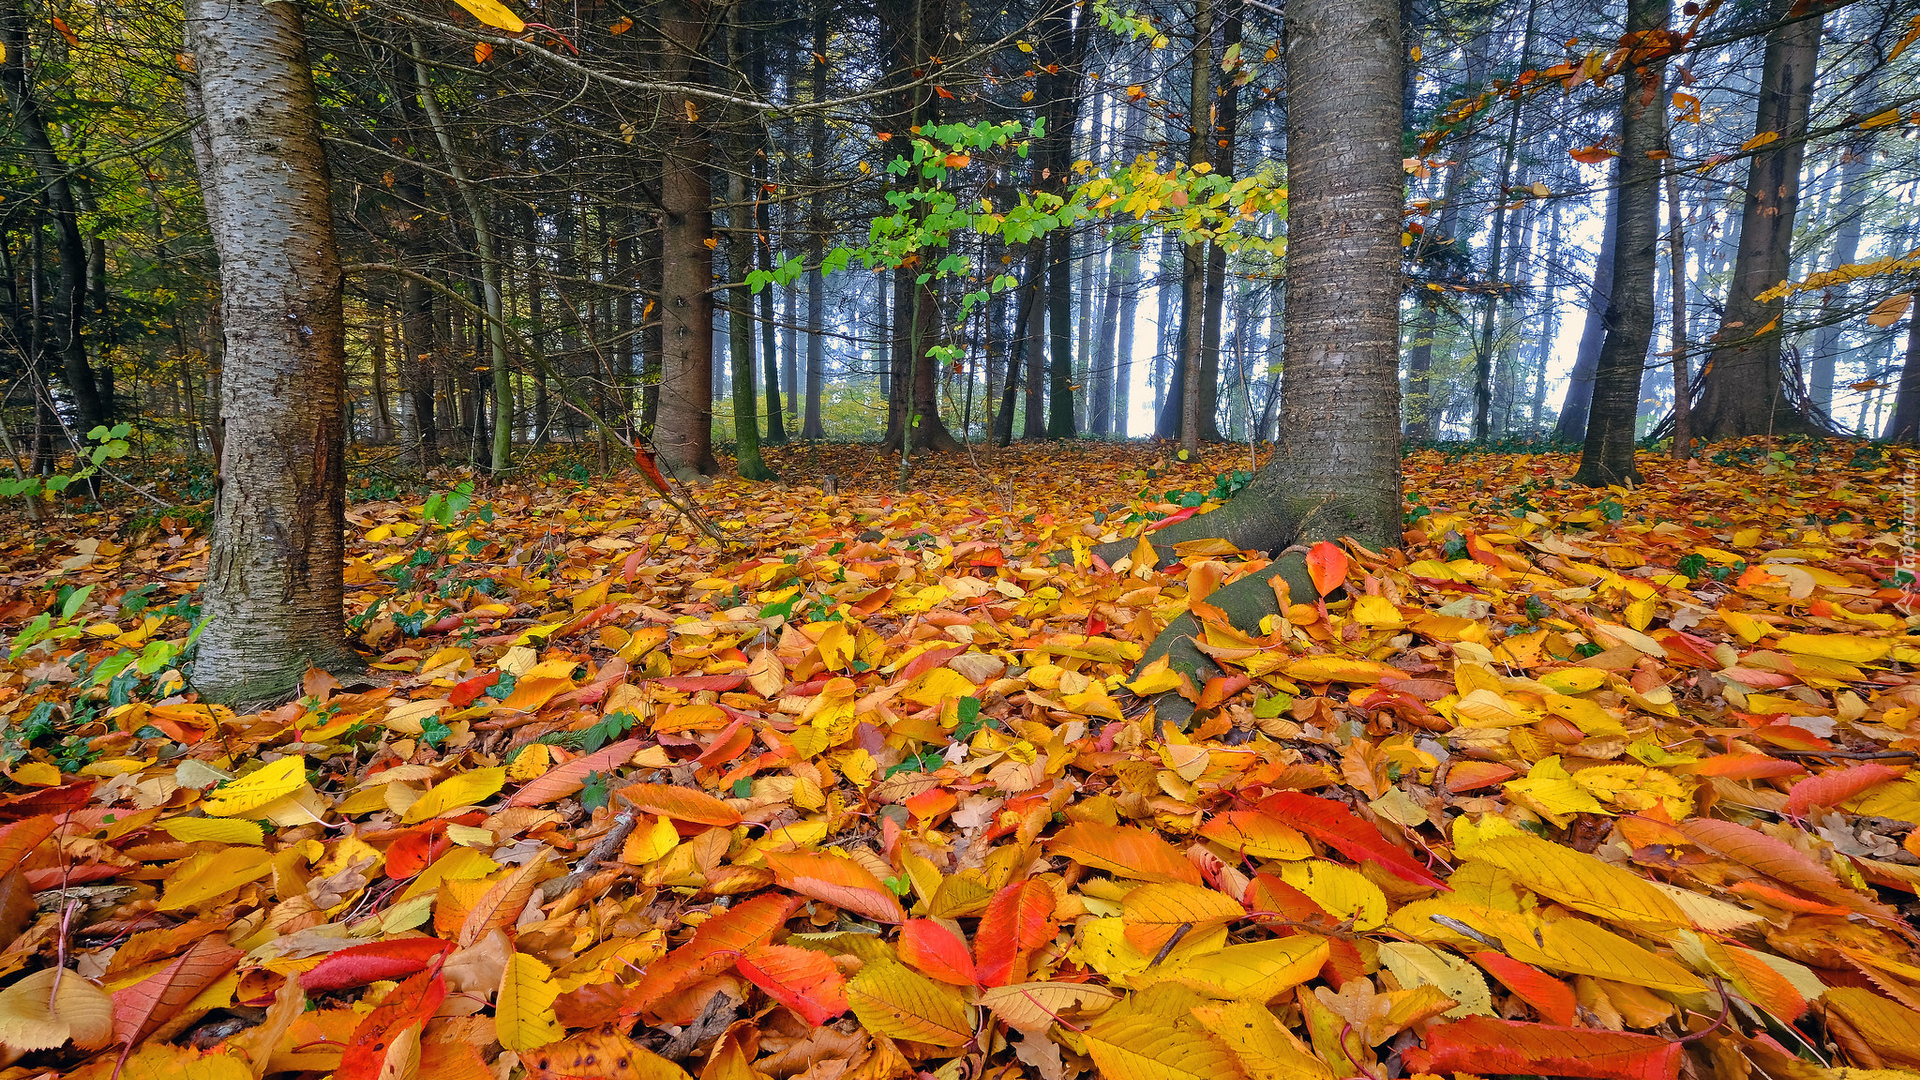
(1572, 425)
(652, 324)
(1123, 281)
(1483, 349)
(1100, 419)
(1855, 161)
(683, 431)
(91, 408)
(790, 348)
(271, 605)
(1032, 345)
(740, 245)
(1904, 425)
(813, 428)
(769, 328)
(1193, 257)
(1222, 136)
(484, 251)
(1607, 457)
(382, 425)
(1743, 392)
(1064, 47)
(1017, 357)
(1677, 324)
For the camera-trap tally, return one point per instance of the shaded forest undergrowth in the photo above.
(879, 790)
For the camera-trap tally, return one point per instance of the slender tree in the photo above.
(271, 606)
(1607, 457)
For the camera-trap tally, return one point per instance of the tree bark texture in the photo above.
(683, 428)
(272, 601)
(1607, 457)
(1744, 392)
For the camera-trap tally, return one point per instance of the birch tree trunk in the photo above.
(272, 600)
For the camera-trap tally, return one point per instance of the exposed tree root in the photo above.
(1245, 602)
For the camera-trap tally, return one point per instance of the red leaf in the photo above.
(415, 849)
(53, 800)
(643, 458)
(801, 979)
(1482, 1045)
(1327, 565)
(1548, 995)
(1018, 920)
(467, 691)
(373, 962)
(151, 1002)
(935, 951)
(1837, 786)
(412, 1002)
(560, 782)
(1341, 830)
(1176, 516)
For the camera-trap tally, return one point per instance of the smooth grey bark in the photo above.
(1193, 258)
(1483, 350)
(1904, 425)
(740, 228)
(1677, 322)
(812, 427)
(271, 605)
(1607, 457)
(1574, 408)
(1336, 471)
(1744, 393)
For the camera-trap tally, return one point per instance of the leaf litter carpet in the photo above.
(1573, 783)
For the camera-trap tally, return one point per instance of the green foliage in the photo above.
(104, 444)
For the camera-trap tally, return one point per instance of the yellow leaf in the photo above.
(523, 1013)
(531, 762)
(1578, 947)
(1573, 680)
(191, 830)
(1881, 119)
(465, 789)
(211, 874)
(1848, 648)
(1340, 669)
(1749, 628)
(1156, 678)
(1889, 310)
(893, 1000)
(1267, 1051)
(35, 1015)
(1580, 881)
(494, 14)
(1035, 1007)
(1259, 971)
(1143, 1046)
(1414, 964)
(36, 773)
(255, 790)
(1154, 913)
(1759, 140)
(1339, 890)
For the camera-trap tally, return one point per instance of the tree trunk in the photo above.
(817, 226)
(502, 449)
(1607, 457)
(382, 424)
(1856, 160)
(1572, 425)
(1483, 350)
(1193, 259)
(1222, 136)
(769, 329)
(1063, 45)
(1677, 324)
(1744, 392)
(91, 408)
(1337, 470)
(683, 429)
(1032, 347)
(1904, 425)
(271, 605)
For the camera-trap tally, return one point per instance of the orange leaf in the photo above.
(801, 979)
(144, 1006)
(1778, 860)
(715, 946)
(934, 949)
(482, 52)
(840, 882)
(1018, 920)
(18, 839)
(1327, 565)
(680, 804)
(1837, 786)
(1483, 1045)
(500, 906)
(1591, 155)
(571, 777)
(1125, 850)
(399, 1016)
(1548, 995)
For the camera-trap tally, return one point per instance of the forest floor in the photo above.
(1588, 783)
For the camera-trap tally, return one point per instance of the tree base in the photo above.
(251, 693)
(1246, 602)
